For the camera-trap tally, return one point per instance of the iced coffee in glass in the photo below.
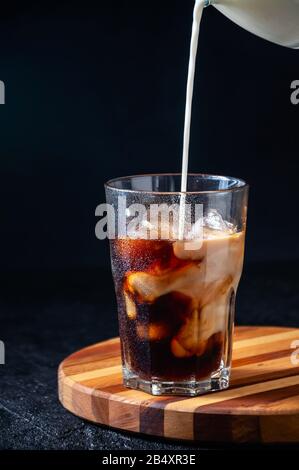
(176, 289)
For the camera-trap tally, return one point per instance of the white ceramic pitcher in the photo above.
(274, 20)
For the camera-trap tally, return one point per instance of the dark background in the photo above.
(95, 91)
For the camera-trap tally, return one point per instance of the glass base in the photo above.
(192, 388)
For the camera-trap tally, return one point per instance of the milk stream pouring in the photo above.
(274, 20)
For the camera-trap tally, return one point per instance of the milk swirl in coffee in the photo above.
(175, 303)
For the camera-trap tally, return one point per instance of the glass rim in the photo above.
(242, 187)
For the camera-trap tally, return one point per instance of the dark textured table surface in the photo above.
(47, 316)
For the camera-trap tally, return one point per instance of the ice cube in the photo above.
(130, 307)
(153, 331)
(162, 230)
(139, 230)
(214, 220)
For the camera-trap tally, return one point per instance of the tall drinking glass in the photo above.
(176, 260)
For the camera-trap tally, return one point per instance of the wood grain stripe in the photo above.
(194, 404)
(263, 401)
(266, 339)
(247, 332)
(94, 364)
(92, 374)
(226, 428)
(261, 357)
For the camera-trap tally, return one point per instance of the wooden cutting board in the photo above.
(262, 404)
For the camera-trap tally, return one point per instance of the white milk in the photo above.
(197, 14)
